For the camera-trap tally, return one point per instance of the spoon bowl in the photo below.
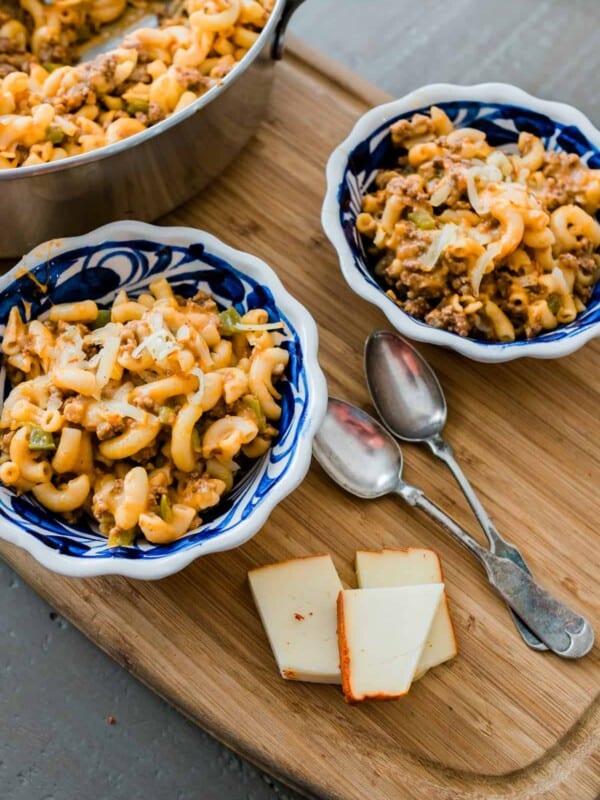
(357, 452)
(405, 391)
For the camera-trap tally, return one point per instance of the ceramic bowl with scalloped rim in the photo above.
(502, 111)
(130, 255)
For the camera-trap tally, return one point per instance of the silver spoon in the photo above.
(410, 401)
(363, 458)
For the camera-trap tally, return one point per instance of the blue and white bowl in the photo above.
(129, 255)
(502, 111)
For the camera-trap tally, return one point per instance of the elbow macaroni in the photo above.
(144, 449)
(481, 242)
(50, 110)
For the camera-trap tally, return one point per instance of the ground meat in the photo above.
(502, 280)
(146, 453)
(203, 302)
(407, 186)
(11, 9)
(6, 439)
(587, 272)
(107, 430)
(203, 492)
(461, 284)
(555, 162)
(8, 47)
(73, 516)
(416, 307)
(561, 185)
(74, 409)
(419, 284)
(191, 78)
(515, 310)
(412, 243)
(140, 75)
(156, 492)
(450, 319)
(95, 77)
(73, 98)
(406, 129)
(222, 69)
(99, 506)
(154, 114)
(13, 58)
(586, 264)
(53, 51)
(532, 329)
(146, 402)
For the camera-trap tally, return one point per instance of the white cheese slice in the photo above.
(415, 565)
(382, 633)
(296, 601)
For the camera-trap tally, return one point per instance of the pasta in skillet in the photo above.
(50, 109)
(138, 414)
(480, 242)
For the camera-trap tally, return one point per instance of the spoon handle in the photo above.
(443, 450)
(564, 632)
(416, 497)
(498, 545)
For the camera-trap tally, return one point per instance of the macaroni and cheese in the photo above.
(138, 414)
(50, 109)
(478, 241)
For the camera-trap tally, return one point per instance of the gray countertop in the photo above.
(57, 690)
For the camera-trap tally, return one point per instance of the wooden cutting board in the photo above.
(500, 721)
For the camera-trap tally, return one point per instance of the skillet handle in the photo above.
(279, 40)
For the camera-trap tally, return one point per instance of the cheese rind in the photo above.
(412, 566)
(296, 601)
(382, 633)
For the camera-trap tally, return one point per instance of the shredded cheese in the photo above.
(159, 344)
(156, 321)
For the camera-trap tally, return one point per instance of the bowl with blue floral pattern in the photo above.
(131, 255)
(502, 112)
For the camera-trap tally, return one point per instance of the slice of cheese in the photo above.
(382, 633)
(296, 601)
(395, 567)
(415, 565)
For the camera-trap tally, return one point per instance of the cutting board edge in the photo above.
(581, 741)
(347, 80)
(578, 743)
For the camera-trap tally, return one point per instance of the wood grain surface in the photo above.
(500, 721)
